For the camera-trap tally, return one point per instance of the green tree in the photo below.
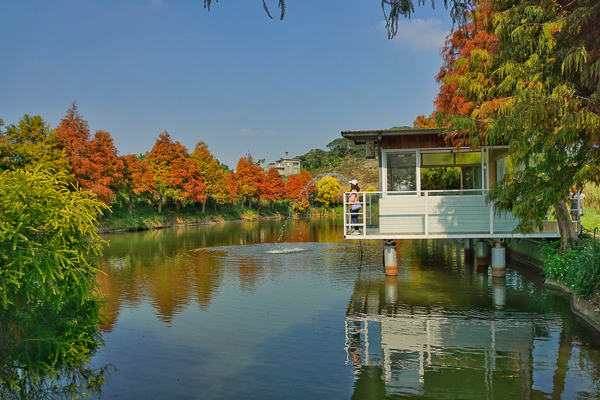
(48, 303)
(33, 144)
(538, 93)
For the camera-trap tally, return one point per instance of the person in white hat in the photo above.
(355, 207)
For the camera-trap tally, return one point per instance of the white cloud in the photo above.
(421, 33)
(256, 132)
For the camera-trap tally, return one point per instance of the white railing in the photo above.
(429, 213)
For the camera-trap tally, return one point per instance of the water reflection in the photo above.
(464, 335)
(46, 349)
(163, 267)
(193, 310)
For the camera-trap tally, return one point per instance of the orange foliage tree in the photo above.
(73, 135)
(233, 186)
(251, 180)
(175, 173)
(300, 189)
(276, 184)
(210, 170)
(138, 180)
(102, 169)
(469, 40)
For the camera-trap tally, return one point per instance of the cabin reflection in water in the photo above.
(407, 344)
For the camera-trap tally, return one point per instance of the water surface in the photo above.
(222, 311)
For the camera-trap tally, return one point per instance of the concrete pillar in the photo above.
(481, 252)
(499, 292)
(498, 260)
(468, 246)
(390, 257)
(391, 289)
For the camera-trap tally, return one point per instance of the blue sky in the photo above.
(231, 77)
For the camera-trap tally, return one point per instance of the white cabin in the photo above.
(401, 209)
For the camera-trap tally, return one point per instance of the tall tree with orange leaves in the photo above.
(210, 170)
(102, 170)
(73, 135)
(138, 181)
(175, 174)
(276, 184)
(249, 179)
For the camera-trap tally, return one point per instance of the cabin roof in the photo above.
(360, 137)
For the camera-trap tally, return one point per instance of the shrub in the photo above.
(578, 268)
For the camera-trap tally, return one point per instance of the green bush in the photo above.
(578, 268)
(49, 309)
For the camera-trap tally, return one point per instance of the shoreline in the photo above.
(586, 309)
(173, 224)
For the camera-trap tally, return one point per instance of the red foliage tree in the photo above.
(102, 169)
(232, 186)
(176, 175)
(276, 184)
(73, 135)
(462, 44)
(138, 180)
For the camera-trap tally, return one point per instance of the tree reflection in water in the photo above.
(45, 351)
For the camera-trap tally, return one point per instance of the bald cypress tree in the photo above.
(538, 93)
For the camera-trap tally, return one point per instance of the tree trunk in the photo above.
(177, 205)
(249, 202)
(160, 203)
(568, 236)
(130, 206)
(215, 207)
(203, 206)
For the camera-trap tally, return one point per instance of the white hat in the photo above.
(354, 182)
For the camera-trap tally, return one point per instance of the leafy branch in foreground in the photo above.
(49, 307)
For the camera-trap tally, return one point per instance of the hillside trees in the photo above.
(537, 92)
(175, 173)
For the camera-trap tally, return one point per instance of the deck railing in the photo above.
(432, 213)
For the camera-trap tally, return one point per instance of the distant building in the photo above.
(286, 166)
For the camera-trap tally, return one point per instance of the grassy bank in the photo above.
(146, 217)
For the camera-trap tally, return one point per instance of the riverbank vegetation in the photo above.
(167, 185)
(578, 268)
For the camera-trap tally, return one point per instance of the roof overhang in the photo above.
(360, 137)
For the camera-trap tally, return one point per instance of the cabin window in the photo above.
(402, 172)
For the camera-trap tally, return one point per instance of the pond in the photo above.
(225, 312)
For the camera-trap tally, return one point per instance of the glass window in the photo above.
(473, 158)
(437, 159)
(402, 172)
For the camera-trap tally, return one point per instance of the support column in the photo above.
(469, 249)
(498, 260)
(390, 257)
(483, 259)
(391, 289)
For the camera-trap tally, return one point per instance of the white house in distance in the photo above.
(403, 210)
(286, 166)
